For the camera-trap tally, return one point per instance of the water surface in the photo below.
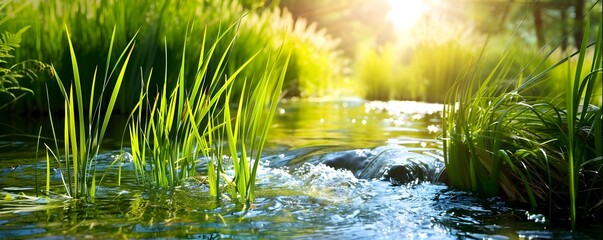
(295, 198)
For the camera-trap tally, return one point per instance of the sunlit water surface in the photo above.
(295, 199)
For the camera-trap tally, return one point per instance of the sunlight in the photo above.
(405, 13)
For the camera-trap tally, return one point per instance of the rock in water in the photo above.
(353, 160)
(392, 163)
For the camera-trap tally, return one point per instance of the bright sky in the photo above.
(404, 14)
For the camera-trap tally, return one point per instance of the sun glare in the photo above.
(405, 13)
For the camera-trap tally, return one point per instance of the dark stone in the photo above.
(401, 174)
(353, 160)
(390, 163)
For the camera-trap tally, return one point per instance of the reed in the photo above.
(83, 134)
(251, 126)
(173, 133)
(582, 119)
(174, 130)
(500, 139)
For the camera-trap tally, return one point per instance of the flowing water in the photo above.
(296, 196)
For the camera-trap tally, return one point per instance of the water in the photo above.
(296, 198)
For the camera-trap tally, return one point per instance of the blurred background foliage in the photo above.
(339, 48)
(261, 27)
(421, 61)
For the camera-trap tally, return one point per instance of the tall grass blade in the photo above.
(81, 146)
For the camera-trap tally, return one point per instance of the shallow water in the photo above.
(295, 198)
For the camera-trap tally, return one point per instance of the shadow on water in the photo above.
(298, 195)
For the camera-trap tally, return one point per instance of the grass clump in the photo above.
(501, 139)
(83, 134)
(175, 130)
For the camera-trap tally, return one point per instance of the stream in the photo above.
(324, 175)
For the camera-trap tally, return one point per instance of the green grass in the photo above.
(579, 116)
(315, 57)
(171, 132)
(182, 116)
(174, 132)
(83, 134)
(502, 139)
(251, 126)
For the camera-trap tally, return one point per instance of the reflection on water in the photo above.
(356, 124)
(295, 199)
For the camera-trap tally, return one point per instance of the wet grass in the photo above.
(186, 125)
(12, 203)
(83, 135)
(252, 123)
(172, 132)
(501, 139)
(180, 116)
